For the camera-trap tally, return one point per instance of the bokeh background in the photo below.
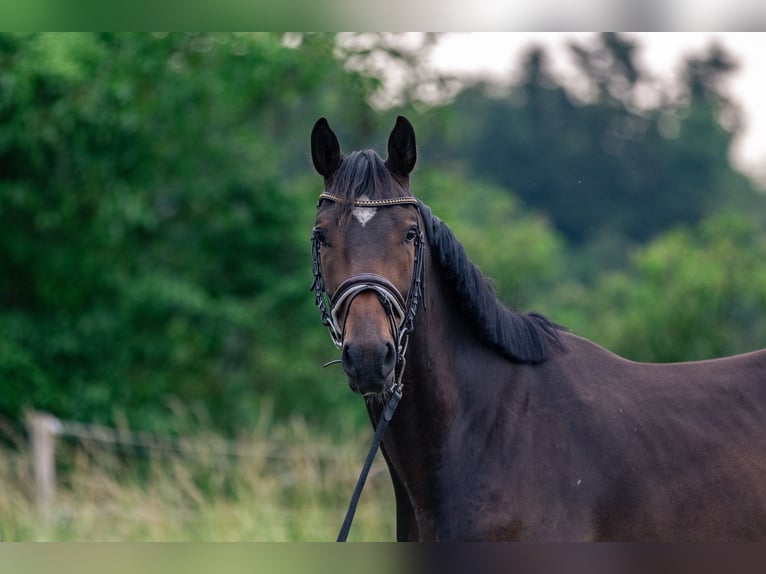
(156, 203)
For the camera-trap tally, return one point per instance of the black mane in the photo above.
(520, 337)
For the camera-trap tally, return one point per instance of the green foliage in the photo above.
(690, 294)
(152, 247)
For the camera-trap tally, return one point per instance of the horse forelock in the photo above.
(520, 337)
(363, 174)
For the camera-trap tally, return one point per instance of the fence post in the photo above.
(43, 428)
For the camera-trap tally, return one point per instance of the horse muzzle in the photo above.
(370, 366)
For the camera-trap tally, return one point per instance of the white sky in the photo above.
(661, 54)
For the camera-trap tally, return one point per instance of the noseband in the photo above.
(400, 310)
(388, 295)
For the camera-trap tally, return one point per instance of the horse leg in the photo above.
(406, 524)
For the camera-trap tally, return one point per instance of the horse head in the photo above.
(368, 245)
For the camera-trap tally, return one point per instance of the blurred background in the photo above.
(156, 203)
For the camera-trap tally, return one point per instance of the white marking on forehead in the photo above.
(364, 214)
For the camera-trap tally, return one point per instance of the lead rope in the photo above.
(388, 413)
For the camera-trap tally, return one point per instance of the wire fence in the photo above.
(47, 431)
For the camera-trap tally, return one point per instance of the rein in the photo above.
(401, 313)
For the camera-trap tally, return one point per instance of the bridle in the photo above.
(399, 309)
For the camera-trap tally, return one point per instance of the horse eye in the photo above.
(411, 235)
(319, 236)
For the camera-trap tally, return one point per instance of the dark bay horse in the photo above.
(510, 427)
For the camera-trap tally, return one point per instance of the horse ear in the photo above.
(325, 149)
(401, 148)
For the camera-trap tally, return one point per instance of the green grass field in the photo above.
(286, 484)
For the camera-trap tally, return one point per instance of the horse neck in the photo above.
(443, 350)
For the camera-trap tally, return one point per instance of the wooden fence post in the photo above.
(43, 428)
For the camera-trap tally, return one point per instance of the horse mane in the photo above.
(524, 338)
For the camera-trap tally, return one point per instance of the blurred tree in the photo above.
(151, 243)
(598, 163)
(690, 294)
(517, 249)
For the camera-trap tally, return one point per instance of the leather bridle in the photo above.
(399, 309)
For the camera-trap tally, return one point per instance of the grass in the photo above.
(289, 483)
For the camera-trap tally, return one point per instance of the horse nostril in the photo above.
(389, 361)
(347, 361)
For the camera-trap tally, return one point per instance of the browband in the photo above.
(370, 202)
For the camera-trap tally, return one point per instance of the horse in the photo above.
(511, 427)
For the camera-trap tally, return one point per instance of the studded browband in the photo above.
(370, 202)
